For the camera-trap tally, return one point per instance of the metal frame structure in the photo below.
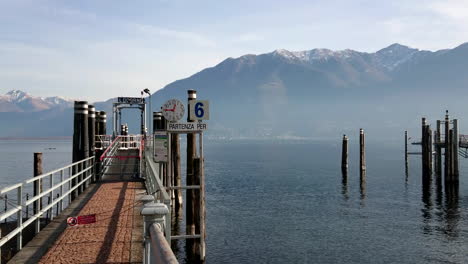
(117, 114)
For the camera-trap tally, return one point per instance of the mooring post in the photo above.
(91, 138)
(103, 127)
(406, 148)
(191, 154)
(455, 142)
(80, 138)
(37, 205)
(447, 148)
(438, 149)
(362, 155)
(429, 149)
(424, 161)
(177, 180)
(451, 167)
(344, 155)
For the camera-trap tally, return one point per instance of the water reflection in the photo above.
(362, 187)
(176, 222)
(426, 199)
(344, 184)
(452, 212)
(446, 210)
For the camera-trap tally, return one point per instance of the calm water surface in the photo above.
(285, 202)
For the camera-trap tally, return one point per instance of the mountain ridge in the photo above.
(281, 93)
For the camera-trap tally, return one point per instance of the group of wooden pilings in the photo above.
(362, 158)
(434, 144)
(86, 125)
(193, 170)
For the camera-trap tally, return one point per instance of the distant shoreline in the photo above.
(36, 138)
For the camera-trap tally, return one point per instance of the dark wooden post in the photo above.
(406, 148)
(177, 180)
(191, 204)
(450, 152)
(429, 149)
(80, 138)
(455, 142)
(344, 155)
(438, 149)
(447, 148)
(196, 208)
(423, 147)
(362, 154)
(37, 205)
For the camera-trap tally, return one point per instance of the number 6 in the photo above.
(199, 112)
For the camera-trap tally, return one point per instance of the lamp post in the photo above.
(146, 90)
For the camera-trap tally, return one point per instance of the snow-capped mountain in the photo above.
(19, 101)
(387, 59)
(313, 93)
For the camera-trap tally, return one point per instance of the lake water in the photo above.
(285, 202)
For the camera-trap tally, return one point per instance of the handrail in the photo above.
(83, 168)
(160, 251)
(156, 183)
(43, 175)
(108, 148)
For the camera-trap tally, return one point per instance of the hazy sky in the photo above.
(99, 49)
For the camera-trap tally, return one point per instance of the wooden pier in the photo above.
(114, 202)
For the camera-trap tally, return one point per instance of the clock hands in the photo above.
(172, 110)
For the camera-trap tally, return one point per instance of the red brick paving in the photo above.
(109, 240)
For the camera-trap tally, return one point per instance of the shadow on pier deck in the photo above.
(116, 237)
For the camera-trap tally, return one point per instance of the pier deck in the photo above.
(116, 237)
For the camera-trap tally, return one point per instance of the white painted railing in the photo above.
(79, 175)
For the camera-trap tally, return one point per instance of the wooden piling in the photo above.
(80, 140)
(344, 154)
(406, 148)
(362, 154)
(455, 143)
(447, 148)
(37, 188)
(191, 154)
(426, 150)
(438, 150)
(191, 205)
(450, 152)
(177, 180)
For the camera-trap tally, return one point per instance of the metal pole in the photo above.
(19, 220)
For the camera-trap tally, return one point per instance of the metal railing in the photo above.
(102, 141)
(80, 172)
(155, 187)
(160, 250)
(156, 247)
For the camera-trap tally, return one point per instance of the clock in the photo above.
(173, 110)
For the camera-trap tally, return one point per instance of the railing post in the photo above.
(37, 206)
(51, 195)
(19, 216)
(153, 213)
(61, 190)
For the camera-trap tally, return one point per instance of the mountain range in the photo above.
(19, 101)
(317, 93)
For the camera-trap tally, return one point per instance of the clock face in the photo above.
(173, 110)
